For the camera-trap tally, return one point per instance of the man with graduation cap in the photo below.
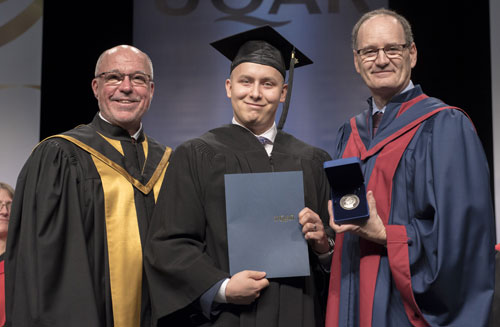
(187, 252)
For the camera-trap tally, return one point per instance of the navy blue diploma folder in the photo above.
(263, 230)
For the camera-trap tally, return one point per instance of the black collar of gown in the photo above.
(113, 131)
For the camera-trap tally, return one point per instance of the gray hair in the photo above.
(382, 11)
(8, 188)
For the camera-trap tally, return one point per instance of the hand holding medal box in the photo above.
(348, 189)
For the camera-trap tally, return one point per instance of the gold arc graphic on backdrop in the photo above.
(21, 23)
(28, 86)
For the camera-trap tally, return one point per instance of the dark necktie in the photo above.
(377, 117)
(264, 140)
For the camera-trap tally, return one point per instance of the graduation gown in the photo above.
(187, 251)
(2, 290)
(438, 267)
(57, 264)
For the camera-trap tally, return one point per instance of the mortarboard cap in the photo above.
(265, 46)
(262, 45)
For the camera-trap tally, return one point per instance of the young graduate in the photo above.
(187, 252)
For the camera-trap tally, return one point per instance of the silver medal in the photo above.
(349, 202)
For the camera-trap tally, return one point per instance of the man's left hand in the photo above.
(372, 229)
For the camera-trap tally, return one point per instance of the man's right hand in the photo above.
(245, 286)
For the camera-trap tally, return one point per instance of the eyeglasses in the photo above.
(392, 51)
(116, 78)
(7, 205)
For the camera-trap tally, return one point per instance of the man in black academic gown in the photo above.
(187, 251)
(82, 208)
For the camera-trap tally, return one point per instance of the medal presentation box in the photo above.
(347, 184)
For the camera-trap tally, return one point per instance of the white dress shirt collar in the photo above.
(270, 134)
(375, 109)
(136, 134)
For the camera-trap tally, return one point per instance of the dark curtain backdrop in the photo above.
(75, 33)
(452, 38)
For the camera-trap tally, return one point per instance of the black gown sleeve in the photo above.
(48, 282)
(178, 266)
